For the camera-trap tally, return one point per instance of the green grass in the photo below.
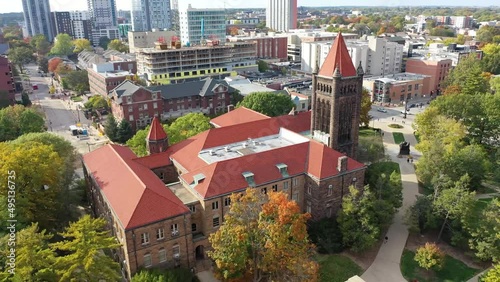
(337, 268)
(453, 270)
(395, 125)
(367, 131)
(76, 99)
(371, 146)
(398, 137)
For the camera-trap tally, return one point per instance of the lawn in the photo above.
(453, 270)
(336, 268)
(371, 146)
(398, 137)
(76, 99)
(367, 131)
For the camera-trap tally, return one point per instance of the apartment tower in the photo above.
(38, 18)
(281, 15)
(151, 14)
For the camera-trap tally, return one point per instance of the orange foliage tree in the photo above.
(54, 63)
(263, 237)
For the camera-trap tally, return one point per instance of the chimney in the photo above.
(342, 164)
(230, 108)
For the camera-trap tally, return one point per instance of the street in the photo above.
(60, 114)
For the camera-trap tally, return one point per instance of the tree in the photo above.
(165, 275)
(467, 76)
(326, 235)
(111, 128)
(39, 188)
(486, 33)
(366, 106)
(21, 56)
(40, 44)
(96, 102)
(268, 103)
(234, 31)
(493, 275)
(34, 259)
(77, 81)
(484, 236)
(471, 160)
(124, 132)
(63, 45)
(491, 60)
(419, 216)
(187, 126)
(138, 142)
(25, 99)
(455, 202)
(43, 64)
(54, 63)
(358, 220)
(86, 242)
(18, 120)
(103, 42)
(263, 66)
(117, 45)
(430, 256)
(82, 44)
(260, 240)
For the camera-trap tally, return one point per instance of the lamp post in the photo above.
(406, 106)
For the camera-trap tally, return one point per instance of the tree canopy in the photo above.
(40, 44)
(63, 45)
(82, 44)
(118, 45)
(18, 120)
(77, 81)
(268, 103)
(111, 128)
(21, 56)
(263, 236)
(366, 106)
(187, 126)
(124, 131)
(54, 63)
(467, 76)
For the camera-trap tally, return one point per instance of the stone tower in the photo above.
(336, 100)
(157, 139)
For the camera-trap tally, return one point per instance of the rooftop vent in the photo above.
(211, 152)
(227, 149)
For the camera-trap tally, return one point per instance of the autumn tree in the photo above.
(82, 44)
(63, 45)
(187, 126)
(39, 187)
(366, 106)
(358, 220)
(54, 63)
(21, 56)
(263, 237)
(34, 258)
(85, 243)
(493, 275)
(118, 45)
(430, 256)
(268, 103)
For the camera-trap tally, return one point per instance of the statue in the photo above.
(404, 148)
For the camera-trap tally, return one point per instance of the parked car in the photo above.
(35, 87)
(411, 106)
(382, 110)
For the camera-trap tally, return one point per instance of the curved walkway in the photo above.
(386, 266)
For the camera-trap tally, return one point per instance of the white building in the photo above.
(37, 18)
(281, 15)
(376, 55)
(82, 27)
(103, 13)
(151, 14)
(111, 33)
(147, 39)
(198, 25)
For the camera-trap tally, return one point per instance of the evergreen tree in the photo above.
(111, 128)
(125, 132)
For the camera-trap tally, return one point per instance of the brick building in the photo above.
(105, 77)
(164, 206)
(397, 87)
(434, 66)
(139, 104)
(267, 47)
(7, 84)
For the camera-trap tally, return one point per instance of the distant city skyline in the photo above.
(68, 5)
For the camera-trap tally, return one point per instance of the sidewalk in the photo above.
(386, 266)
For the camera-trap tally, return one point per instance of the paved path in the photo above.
(386, 266)
(206, 276)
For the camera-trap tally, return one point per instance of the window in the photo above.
(153, 96)
(330, 190)
(295, 182)
(129, 99)
(147, 260)
(130, 109)
(162, 255)
(309, 189)
(145, 106)
(285, 185)
(329, 212)
(249, 178)
(264, 190)
(215, 221)
(175, 229)
(275, 188)
(176, 249)
(295, 197)
(155, 105)
(193, 227)
(145, 238)
(192, 209)
(416, 86)
(308, 207)
(162, 175)
(160, 234)
(409, 87)
(131, 118)
(227, 201)
(215, 205)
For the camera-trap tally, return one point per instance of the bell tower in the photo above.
(336, 100)
(157, 139)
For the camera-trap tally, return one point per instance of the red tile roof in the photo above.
(323, 161)
(135, 194)
(338, 57)
(237, 116)
(156, 132)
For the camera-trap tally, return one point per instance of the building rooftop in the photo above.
(284, 138)
(398, 77)
(115, 73)
(182, 193)
(237, 116)
(338, 59)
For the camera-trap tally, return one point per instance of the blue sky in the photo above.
(65, 5)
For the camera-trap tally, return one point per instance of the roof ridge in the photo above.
(254, 112)
(126, 163)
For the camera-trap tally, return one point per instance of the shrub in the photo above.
(326, 235)
(429, 256)
(394, 125)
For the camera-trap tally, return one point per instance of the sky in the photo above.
(67, 5)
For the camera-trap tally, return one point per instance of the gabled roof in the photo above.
(135, 194)
(156, 131)
(200, 87)
(323, 161)
(126, 88)
(237, 116)
(338, 57)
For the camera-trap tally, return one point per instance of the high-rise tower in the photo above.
(37, 17)
(151, 14)
(336, 100)
(281, 15)
(102, 13)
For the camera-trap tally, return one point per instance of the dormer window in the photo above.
(283, 168)
(198, 178)
(249, 177)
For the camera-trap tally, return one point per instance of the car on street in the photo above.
(35, 87)
(382, 110)
(411, 106)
